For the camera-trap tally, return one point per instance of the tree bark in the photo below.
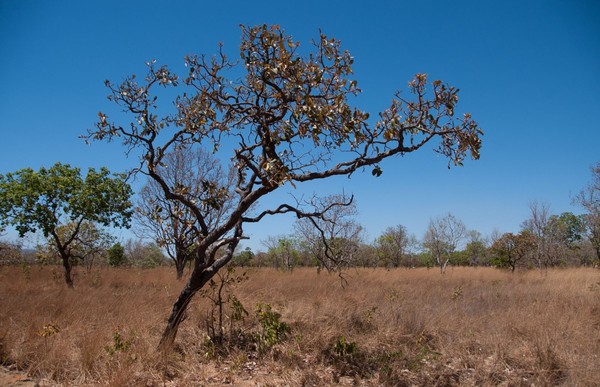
(179, 266)
(67, 265)
(197, 280)
(443, 266)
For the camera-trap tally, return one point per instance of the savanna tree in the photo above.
(116, 255)
(62, 204)
(281, 116)
(589, 199)
(171, 223)
(243, 258)
(395, 245)
(333, 238)
(10, 252)
(537, 224)
(564, 234)
(476, 248)
(89, 242)
(511, 249)
(143, 254)
(282, 251)
(442, 238)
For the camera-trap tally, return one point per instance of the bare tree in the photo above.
(442, 238)
(10, 252)
(537, 224)
(172, 224)
(589, 199)
(334, 238)
(284, 117)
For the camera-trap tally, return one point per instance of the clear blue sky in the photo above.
(529, 72)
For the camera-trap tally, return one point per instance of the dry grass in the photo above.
(399, 328)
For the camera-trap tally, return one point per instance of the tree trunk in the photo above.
(67, 265)
(197, 280)
(443, 266)
(180, 266)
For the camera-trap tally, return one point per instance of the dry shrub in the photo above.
(471, 326)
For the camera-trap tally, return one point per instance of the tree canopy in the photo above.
(283, 115)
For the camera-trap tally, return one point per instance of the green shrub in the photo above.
(273, 329)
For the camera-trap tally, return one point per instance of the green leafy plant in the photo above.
(219, 293)
(210, 349)
(238, 312)
(274, 330)
(116, 255)
(343, 347)
(119, 344)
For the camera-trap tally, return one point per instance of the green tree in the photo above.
(569, 228)
(564, 235)
(61, 204)
(244, 258)
(394, 246)
(476, 249)
(145, 255)
(116, 255)
(282, 251)
(282, 117)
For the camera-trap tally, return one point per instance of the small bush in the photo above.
(274, 330)
(119, 344)
(344, 348)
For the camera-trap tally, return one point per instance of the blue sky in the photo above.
(528, 72)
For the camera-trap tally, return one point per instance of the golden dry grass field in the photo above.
(471, 326)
